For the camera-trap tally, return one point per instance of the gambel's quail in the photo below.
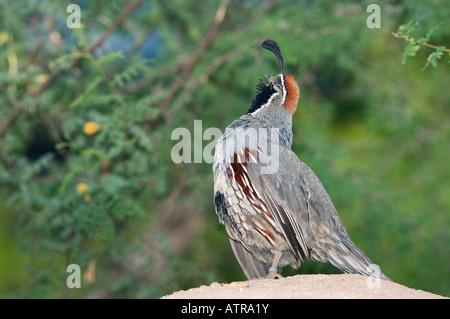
(273, 206)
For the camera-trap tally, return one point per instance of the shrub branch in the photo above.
(417, 42)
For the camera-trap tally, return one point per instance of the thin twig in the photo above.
(417, 42)
(12, 115)
(128, 10)
(38, 44)
(189, 64)
(192, 85)
(125, 14)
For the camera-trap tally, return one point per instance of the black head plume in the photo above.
(265, 91)
(273, 47)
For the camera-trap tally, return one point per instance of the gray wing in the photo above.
(285, 193)
(235, 179)
(306, 215)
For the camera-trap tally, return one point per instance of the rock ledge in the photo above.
(344, 286)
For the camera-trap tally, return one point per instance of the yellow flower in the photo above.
(41, 78)
(82, 187)
(4, 36)
(90, 128)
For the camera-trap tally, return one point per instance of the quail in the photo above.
(274, 208)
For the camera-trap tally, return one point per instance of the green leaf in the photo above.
(64, 62)
(132, 71)
(69, 176)
(409, 51)
(110, 57)
(405, 29)
(433, 30)
(433, 57)
(113, 184)
(91, 87)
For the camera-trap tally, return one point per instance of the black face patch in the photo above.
(263, 94)
(221, 207)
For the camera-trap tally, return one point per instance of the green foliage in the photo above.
(411, 49)
(86, 175)
(413, 46)
(433, 57)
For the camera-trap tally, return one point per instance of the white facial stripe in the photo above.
(284, 88)
(267, 103)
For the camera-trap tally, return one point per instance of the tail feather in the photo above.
(252, 267)
(347, 257)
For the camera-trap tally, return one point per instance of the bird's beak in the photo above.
(270, 79)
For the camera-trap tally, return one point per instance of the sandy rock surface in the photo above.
(305, 286)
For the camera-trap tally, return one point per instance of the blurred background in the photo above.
(86, 117)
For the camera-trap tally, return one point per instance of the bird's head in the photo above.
(281, 90)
